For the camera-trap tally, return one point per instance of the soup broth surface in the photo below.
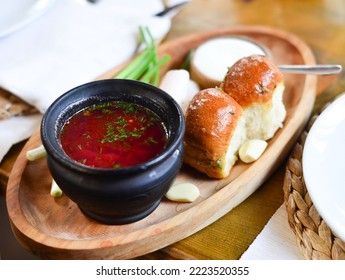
(113, 134)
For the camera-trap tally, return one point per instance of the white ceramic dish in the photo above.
(324, 165)
(16, 14)
(213, 58)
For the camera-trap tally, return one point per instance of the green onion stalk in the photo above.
(146, 65)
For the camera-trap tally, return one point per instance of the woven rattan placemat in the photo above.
(11, 105)
(314, 238)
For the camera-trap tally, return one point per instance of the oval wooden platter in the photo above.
(56, 229)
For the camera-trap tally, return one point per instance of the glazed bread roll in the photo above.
(257, 85)
(215, 129)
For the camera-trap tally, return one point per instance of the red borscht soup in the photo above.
(113, 134)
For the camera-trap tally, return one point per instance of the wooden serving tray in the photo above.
(56, 229)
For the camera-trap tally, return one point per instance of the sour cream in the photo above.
(213, 57)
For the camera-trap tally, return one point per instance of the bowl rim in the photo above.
(243, 38)
(60, 156)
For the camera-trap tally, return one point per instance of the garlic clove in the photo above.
(252, 150)
(183, 192)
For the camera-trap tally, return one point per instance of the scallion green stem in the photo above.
(144, 33)
(145, 67)
(154, 71)
(139, 69)
(140, 60)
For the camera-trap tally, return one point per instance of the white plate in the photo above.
(324, 165)
(15, 14)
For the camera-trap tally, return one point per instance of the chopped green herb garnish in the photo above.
(117, 166)
(151, 140)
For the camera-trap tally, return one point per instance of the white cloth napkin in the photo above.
(275, 242)
(71, 43)
(16, 129)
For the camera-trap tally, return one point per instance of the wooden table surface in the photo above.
(321, 24)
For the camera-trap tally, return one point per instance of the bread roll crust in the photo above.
(211, 119)
(252, 79)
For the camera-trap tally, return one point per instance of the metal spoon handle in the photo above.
(322, 69)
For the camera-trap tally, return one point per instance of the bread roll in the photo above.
(215, 129)
(257, 85)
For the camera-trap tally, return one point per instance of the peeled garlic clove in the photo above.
(251, 150)
(184, 192)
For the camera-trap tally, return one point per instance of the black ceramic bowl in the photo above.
(114, 196)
